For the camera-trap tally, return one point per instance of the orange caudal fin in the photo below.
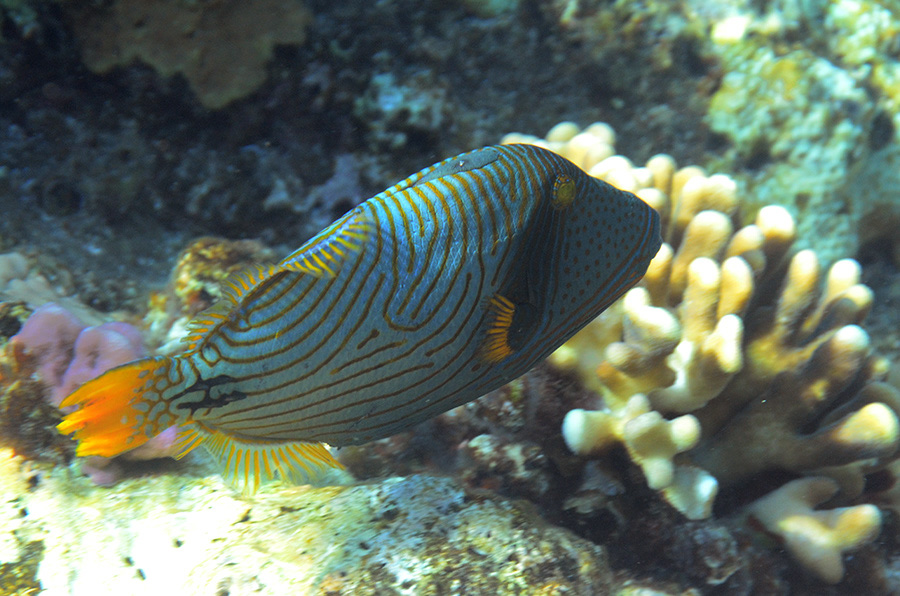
(113, 412)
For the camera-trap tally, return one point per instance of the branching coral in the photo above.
(221, 48)
(732, 349)
(651, 440)
(771, 431)
(817, 539)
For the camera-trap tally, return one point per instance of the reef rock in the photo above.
(177, 535)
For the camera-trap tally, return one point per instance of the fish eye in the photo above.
(563, 192)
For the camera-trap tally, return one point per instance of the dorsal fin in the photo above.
(324, 254)
(233, 291)
(241, 283)
(453, 165)
(459, 164)
(321, 256)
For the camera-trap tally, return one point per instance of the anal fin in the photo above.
(248, 462)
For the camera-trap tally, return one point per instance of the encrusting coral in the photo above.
(731, 357)
(67, 353)
(774, 107)
(53, 350)
(206, 263)
(197, 281)
(222, 48)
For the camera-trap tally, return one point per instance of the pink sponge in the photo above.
(96, 350)
(68, 354)
(49, 337)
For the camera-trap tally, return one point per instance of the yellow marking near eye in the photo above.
(563, 192)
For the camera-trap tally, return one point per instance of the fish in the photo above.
(438, 290)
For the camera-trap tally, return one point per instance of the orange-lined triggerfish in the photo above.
(436, 291)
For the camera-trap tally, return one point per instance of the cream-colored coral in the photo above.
(222, 48)
(12, 266)
(729, 327)
(772, 431)
(651, 440)
(817, 539)
(22, 281)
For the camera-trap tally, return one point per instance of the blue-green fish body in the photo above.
(428, 295)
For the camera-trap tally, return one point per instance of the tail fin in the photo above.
(116, 411)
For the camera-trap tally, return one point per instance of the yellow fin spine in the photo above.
(234, 289)
(242, 282)
(249, 462)
(186, 441)
(314, 256)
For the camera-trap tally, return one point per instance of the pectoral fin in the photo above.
(495, 345)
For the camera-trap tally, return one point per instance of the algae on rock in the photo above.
(177, 534)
